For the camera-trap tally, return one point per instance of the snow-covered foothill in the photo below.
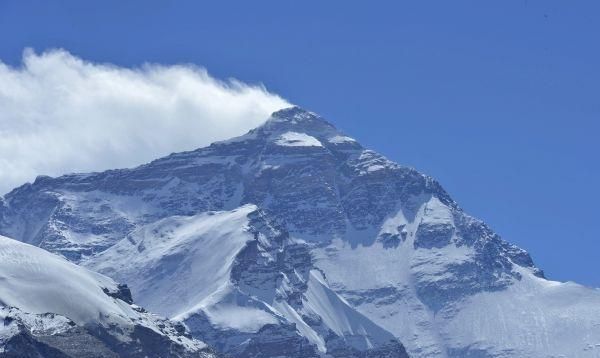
(42, 294)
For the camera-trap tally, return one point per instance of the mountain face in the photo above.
(295, 241)
(50, 308)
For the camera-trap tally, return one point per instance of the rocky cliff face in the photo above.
(294, 238)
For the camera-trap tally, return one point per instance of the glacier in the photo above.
(295, 241)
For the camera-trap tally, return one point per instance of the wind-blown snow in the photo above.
(339, 139)
(244, 319)
(294, 139)
(86, 116)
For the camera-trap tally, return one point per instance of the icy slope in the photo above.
(36, 281)
(43, 295)
(531, 316)
(459, 302)
(176, 262)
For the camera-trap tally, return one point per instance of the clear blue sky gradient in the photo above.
(500, 101)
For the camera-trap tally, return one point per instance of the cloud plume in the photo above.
(60, 114)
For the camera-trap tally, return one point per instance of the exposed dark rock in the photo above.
(122, 293)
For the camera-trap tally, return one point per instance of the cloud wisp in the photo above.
(61, 114)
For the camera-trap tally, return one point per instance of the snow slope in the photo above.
(176, 262)
(50, 296)
(426, 295)
(533, 315)
(36, 281)
(201, 268)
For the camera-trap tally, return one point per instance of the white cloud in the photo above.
(61, 114)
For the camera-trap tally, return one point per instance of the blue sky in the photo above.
(497, 100)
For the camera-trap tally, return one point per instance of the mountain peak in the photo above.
(350, 251)
(298, 120)
(294, 114)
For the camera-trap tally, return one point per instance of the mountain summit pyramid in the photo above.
(293, 240)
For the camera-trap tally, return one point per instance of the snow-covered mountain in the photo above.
(242, 284)
(293, 240)
(50, 307)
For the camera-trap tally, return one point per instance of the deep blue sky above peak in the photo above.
(499, 101)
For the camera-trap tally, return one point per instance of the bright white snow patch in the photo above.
(340, 317)
(369, 161)
(244, 319)
(295, 139)
(339, 139)
(291, 315)
(435, 212)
